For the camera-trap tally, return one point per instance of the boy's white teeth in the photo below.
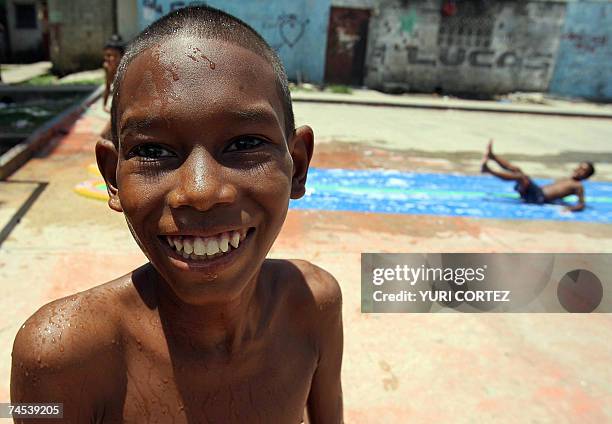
(199, 248)
(178, 243)
(235, 239)
(191, 247)
(212, 246)
(224, 242)
(188, 245)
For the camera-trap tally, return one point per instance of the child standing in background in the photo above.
(113, 51)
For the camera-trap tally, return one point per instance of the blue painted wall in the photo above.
(296, 29)
(584, 61)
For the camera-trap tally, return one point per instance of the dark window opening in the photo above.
(26, 16)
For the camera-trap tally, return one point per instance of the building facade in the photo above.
(470, 47)
(78, 30)
(467, 47)
(26, 30)
(584, 62)
(479, 47)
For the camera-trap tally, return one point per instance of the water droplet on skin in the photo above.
(61, 348)
(165, 380)
(52, 339)
(211, 64)
(27, 373)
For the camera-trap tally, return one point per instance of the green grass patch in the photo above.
(298, 88)
(91, 81)
(339, 89)
(41, 80)
(49, 79)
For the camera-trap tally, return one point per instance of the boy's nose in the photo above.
(201, 183)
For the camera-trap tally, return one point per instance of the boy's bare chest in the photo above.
(264, 381)
(559, 189)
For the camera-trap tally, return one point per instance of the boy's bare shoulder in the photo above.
(74, 329)
(309, 287)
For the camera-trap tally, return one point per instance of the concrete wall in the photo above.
(127, 19)
(584, 63)
(505, 46)
(24, 42)
(296, 29)
(78, 29)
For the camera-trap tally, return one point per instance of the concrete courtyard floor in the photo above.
(462, 368)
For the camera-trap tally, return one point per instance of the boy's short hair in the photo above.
(115, 42)
(591, 168)
(204, 22)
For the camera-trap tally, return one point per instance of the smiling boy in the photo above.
(203, 162)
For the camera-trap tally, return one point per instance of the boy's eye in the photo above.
(150, 152)
(244, 143)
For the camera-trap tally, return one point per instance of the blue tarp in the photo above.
(384, 191)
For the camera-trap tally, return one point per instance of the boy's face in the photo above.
(581, 171)
(112, 57)
(202, 154)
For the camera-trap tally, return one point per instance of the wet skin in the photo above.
(112, 57)
(568, 186)
(231, 339)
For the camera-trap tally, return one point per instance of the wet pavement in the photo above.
(397, 368)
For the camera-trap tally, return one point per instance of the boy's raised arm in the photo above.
(581, 204)
(325, 398)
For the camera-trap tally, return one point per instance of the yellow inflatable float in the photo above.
(94, 188)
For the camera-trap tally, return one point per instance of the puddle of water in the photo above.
(19, 119)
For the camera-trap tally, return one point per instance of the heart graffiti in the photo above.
(291, 28)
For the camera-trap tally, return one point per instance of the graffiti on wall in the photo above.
(408, 21)
(589, 43)
(154, 9)
(284, 25)
(152, 6)
(179, 4)
(291, 28)
(477, 58)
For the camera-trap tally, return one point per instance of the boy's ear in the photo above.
(302, 145)
(107, 157)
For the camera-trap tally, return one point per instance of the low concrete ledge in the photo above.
(384, 100)
(19, 154)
